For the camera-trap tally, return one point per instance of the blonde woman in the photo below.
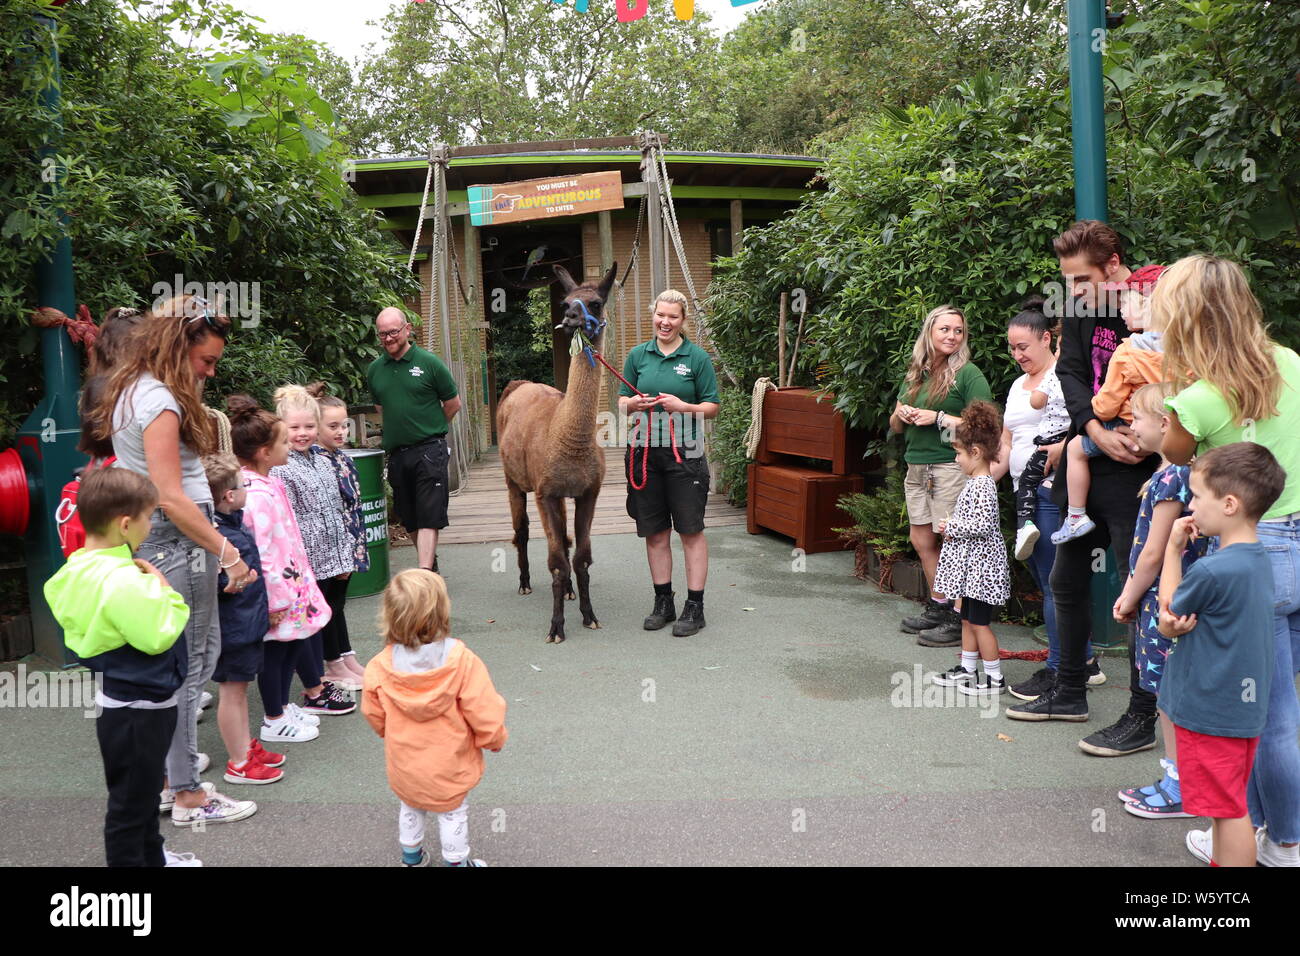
(1239, 385)
(940, 382)
(668, 475)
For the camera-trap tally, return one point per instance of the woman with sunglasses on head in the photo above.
(151, 409)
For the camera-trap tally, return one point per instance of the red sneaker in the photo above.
(253, 771)
(267, 758)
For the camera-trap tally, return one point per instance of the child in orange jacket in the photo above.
(432, 700)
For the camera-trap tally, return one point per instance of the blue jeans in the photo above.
(1047, 518)
(1273, 794)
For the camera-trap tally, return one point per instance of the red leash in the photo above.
(645, 457)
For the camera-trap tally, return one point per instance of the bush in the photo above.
(728, 444)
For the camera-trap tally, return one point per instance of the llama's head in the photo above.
(583, 300)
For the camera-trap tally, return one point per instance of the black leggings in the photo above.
(277, 675)
(334, 635)
(978, 613)
(1033, 475)
(134, 746)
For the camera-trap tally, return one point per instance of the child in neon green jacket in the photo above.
(121, 619)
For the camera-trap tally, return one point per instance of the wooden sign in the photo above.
(543, 198)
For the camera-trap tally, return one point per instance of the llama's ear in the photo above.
(566, 280)
(607, 283)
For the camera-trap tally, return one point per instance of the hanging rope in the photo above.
(419, 219)
(755, 432)
(82, 330)
(224, 443)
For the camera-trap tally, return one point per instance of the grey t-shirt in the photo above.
(134, 412)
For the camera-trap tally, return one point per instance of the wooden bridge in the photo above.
(481, 512)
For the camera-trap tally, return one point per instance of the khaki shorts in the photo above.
(931, 492)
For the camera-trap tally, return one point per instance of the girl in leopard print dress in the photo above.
(973, 562)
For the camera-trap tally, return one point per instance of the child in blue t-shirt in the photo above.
(1220, 618)
(1164, 500)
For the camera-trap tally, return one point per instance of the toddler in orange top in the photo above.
(432, 700)
(1136, 361)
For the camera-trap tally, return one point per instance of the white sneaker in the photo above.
(180, 859)
(288, 731)
(298, 715)
(218, 808)
(1268, 853)
(205, 700)
(167, 799)
(1200, 844)
(1026, 538)
(203, 763)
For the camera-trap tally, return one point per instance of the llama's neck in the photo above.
(574, 427)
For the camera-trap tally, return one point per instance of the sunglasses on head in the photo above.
(199, 308)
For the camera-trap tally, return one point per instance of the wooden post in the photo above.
(654, 216)
(737, 226)
(780, 343)
(605, 227)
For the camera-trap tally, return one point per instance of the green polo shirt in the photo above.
(686, 373)
(925, 445)
(411, 390)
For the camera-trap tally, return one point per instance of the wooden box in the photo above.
(796, 423)
(799, 503)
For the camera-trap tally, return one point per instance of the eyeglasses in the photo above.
(199, 308)
(392, 333)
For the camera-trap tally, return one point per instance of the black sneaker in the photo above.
(984, 686)
(332, 700)
(664, 612)
(1093, 669)
(1042, 681)
(1057, 703)
(930, 617)
(691, 621)
(947, 634)
(955, 677)
(1128, 735)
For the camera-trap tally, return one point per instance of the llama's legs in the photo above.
(584, 509)
(519, 521)
(557, 561)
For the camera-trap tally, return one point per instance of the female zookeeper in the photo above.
(940, 382)
(668, 475)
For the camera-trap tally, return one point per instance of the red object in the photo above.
(645, 457)
(268, 758)
(1143, 280)
(71, 534)
(1213, 771)
(15, 499)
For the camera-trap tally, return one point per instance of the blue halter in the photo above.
(591, 328)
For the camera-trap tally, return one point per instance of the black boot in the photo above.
(691, 621)
(947, 634)
(932, 615)
(664, 612)
(1128, 735)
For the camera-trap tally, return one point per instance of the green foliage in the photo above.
(880, 518)
(160, 178)
(727, 448)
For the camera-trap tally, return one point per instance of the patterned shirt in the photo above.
(350, 490)
(973, 562)
(317, 503)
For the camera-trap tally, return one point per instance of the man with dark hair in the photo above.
(1091, 253)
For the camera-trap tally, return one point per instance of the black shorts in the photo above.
(418, 474)
(674, 495)
(242, 662)
(977, 612)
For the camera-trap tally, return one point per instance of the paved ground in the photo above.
(770, 738)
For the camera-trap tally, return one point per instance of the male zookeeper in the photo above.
(421, 398)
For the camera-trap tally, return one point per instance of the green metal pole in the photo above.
(1087, 107)
(48, 438)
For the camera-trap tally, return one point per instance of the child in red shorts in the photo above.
(1220, 617)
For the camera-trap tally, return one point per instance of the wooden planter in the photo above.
(16, 640)
(903, 576)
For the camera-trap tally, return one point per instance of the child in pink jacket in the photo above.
(298, 609)
(432, 700)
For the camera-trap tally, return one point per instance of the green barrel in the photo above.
(374, 512)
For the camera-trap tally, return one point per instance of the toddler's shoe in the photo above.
(1158, 805)
(287, 730)
(299, 715)
(422, 861)
(218, 808)
(1268, 853)
(1026, 539)
(1093, 669)
(332, 701)
(1135, 794)
(339, 674)
(1073, 528)
(252, 772)
(266, 758)
(464, 863)
(984, 686)
(956, 677)
(1200, 844)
